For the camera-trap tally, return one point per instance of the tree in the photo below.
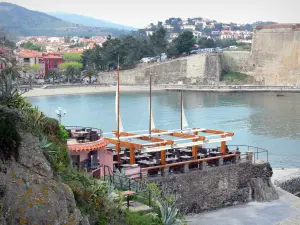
(8, 79)
(70, 69)
(224, 43)
(206, 43)
(207, 30)
(199, 27)
(218, 26)
(90, 72)
(184, 42)
(176, 28)
(29, 71)
(31, 46)
(172, 50)
(158, 41)
(67, 39)
(53, 74)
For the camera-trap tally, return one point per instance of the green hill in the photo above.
(19, 21)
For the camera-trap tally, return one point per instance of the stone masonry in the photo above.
(221, 186)
(203, 69)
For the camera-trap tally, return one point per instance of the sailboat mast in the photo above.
(150, 104)
(118, 129)
(181, 108)
(118, 125)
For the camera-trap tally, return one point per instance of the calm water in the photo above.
(257, 119)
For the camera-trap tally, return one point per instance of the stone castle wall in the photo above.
(222, 186)
(196, 69)
(276, 54)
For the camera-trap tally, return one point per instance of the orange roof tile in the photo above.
(95, 145)
(52, 57)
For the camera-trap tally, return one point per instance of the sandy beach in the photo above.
(84, 90)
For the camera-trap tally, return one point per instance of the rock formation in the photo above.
(30, 193)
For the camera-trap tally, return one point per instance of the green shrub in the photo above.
(138, 218)
(9, 136)
(235, 77)
(50, 126)
(62, 134)
(33, 119)
(16, 101)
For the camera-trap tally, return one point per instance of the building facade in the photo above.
(52, 62)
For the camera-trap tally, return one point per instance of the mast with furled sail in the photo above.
(119, 122)
(183, 121)
(151, 120)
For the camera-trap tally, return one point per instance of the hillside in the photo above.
(19, 21)
(89, 21)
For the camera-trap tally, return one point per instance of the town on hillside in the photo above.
(202, 27)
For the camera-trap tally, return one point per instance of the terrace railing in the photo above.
(99, 131)
(258, 153)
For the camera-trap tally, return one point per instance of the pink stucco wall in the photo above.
(105, 158)
(133, 172)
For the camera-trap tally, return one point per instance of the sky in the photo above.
(139, 13)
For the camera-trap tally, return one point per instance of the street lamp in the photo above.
(60, 113)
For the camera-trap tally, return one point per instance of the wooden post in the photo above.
(223, 146)
(118, 151)
(163, 157)
(132, 156)
(194, 150)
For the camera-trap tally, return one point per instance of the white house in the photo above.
(149, 32)
(197, 34)
(189, 27)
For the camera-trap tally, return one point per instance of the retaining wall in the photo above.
(222, 186)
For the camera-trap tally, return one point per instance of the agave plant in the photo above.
(44, 143)
(33, 118)
(168, 213)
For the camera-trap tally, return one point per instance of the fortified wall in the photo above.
(276, 54)
(202, 69)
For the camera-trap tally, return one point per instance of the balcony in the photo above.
(83, 145)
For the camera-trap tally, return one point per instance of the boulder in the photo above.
(29, 192)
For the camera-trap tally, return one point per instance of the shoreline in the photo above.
(75, 90)
(36, 92)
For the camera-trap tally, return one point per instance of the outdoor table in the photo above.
(148, 163)
(201, 155)
(172, 159)
(128, 194)
(116, 153)
(125, 158)
(215, 153)
(142, 156)
(81, 133)
(125, 165)
(185, 157)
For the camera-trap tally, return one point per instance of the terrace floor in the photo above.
(285, 211)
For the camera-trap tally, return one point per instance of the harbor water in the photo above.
(257, 119)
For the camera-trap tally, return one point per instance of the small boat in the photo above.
(280, 95)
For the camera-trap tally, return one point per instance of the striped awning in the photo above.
(89, 146)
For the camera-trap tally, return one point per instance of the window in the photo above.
(26, 60)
